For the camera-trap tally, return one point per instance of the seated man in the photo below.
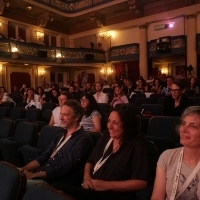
(67, 154)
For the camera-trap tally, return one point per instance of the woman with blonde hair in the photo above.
(178, 170)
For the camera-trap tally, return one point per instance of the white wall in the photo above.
(126, 36)
(178, 29)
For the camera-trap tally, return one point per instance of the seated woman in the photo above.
(118, 165)
(157, 87)
(5, 98)
(54, 97)
(192, 84)
(91, 120)
(32, 99)
(177, 102)
(141, 86)
(55, 118)
(177, 174)
(40, 91)
(119, 97)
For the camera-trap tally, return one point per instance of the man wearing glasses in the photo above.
(177, 102)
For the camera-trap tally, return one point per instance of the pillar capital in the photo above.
(190, 16)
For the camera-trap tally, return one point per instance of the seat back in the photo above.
(196, 94)
(21, 104)
(44, 191)
(8, 104)
(32, 114)
(25, 133)
(190, 92)
(4, 112)
(17, 113)
(164, 126)
(12, 182)
(46, 136)
(108, 90)
(153, 109)
(48, 105)
(161, 101)
(46, 115)
(135, 96)
(155, 97)
(6, 128)
(142, 100)
(195, 101)
(104, 107)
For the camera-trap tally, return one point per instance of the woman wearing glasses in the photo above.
(178, 170)
(119, 164)
(91, 121)
(177, 102)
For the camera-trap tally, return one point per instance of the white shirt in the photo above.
(101, 98)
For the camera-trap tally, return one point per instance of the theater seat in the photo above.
(45, 192)
(12, 182)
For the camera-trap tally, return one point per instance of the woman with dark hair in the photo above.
(55, 94)
(119, 164)
(177, 102)
(157, 87)
(91, 120)
(177, 173)
(192, 84)
(40, 91)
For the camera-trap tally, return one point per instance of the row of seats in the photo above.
(13, 186)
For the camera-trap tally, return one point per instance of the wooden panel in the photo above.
(22, 33)
(53, 41)
(11, 31)
(46, 40)
(60, 78)
(19, 78)
(52, 77)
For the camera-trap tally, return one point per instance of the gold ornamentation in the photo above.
(134, 49)
(178, 43)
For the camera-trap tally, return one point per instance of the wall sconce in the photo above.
(39, 36)
(103, 71)
(0, 24)
(58, 56)
(109, 71)
(1, 69)
(164, 71)
(41, 72)
(107, 34)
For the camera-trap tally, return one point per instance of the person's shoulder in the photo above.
(169, 153)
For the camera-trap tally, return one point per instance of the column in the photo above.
(191, 43)
(58, 37)
(143, 62)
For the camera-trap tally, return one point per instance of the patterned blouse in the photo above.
(87, 122)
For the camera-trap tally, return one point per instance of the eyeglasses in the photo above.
(175, 90)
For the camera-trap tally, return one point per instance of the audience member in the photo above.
(54, 97)
(65, 157)
(177, 102)
(141, 86)
(5, 98)
(129, 88)
(119, 97)
(23, 91)
(16, 94)
(177, 174)
(88, 88)
(55, 118)
(105, 84)
(192, 84)
(157, 86)
(166, 89)
(100, 96)
(78, 92)
(114, 84)
(32, 99)
(47, 88)
(119, 163)
(91, 120)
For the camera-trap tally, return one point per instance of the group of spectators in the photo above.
(119, 164)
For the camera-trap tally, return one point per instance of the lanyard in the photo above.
(187, 182)
(60, 145)
(101, 160)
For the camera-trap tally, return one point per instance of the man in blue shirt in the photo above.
(66, 155)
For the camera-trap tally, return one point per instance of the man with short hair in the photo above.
(100, 96)
(65, 157)
(88, 88)
(166, 90)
